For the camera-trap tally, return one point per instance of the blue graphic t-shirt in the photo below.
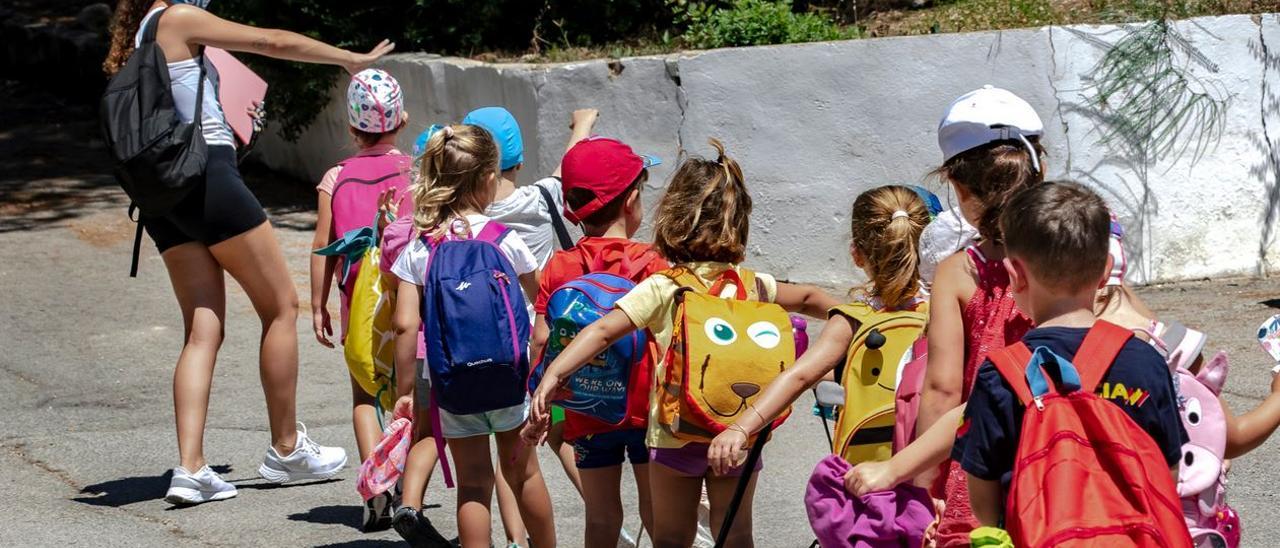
(1138, 381)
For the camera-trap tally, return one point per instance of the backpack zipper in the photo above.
(504, 281)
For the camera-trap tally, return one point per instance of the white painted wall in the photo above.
(815, 124)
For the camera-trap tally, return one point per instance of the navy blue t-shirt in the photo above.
(1138, 381)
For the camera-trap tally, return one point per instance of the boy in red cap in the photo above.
(601, 179)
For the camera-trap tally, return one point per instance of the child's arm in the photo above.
(805, 299)
(984, 499)
(581, 124)
(586, 345)
(944, 374)
(538, 340)
(407, 320)
(1246, 432)
(726, 451)
(529, 283)
(322, 269)
(925, 453)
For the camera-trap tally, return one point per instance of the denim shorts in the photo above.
(611, 449)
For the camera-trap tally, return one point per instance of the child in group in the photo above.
(375, 115)
(457, 180)
(1056, 239)
(602, 181)
(990, 144)
(886, 223)
(702, 226)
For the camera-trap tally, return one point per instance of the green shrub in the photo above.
(756, 22)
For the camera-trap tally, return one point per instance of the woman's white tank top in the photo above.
(183, 76)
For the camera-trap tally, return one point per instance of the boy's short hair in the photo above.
(1061, 231)
(577, 198)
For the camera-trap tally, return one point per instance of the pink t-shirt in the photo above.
(395, 238)
(331, 177)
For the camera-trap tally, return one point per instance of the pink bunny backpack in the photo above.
(1202, 473)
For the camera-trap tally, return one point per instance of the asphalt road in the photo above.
(86, 357)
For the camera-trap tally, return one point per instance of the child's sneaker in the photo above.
(309, 460)
(377, 513)
(417, 530)
(204, 485)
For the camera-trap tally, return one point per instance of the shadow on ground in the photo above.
(126, 491)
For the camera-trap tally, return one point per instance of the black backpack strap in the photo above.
(557, 223)
(152, 27)
(137, 240)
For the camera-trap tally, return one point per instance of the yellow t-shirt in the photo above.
(652, 305)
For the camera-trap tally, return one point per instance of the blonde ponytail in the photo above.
(886, 223)
(452, 175)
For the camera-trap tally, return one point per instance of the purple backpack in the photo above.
(475, 325)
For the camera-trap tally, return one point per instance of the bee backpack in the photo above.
(865, 429)
(724, 351)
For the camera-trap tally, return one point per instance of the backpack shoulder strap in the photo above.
(493, 232)
(1100, 347)
(557, 223)
(685, 278)
(857, 311)
(1011, 361)
(153, 27)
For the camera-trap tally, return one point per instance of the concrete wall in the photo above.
(815, 124)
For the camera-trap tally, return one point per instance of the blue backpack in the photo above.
(598, 390)
(475, 324)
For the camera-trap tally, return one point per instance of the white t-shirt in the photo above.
(526, 213)
(412, 264)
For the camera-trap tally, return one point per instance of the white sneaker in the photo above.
(308, 461)
(203, 486)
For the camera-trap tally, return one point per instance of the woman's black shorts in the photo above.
(213, 212)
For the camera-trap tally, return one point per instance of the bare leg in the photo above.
(675, 521)
(198, 284)
(600, 492)
(509, 510)
(645, 495)
(720, 491)
(364, 418)
(421, 461)
(254, 259)
(519, 465)
(475, 489)
(564, 452)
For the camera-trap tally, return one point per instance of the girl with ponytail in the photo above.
(702, 226)
(456, 180)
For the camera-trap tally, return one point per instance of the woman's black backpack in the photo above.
(158, 157)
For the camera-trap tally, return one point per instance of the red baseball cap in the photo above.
(604, 166)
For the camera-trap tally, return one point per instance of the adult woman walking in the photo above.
(220, 227)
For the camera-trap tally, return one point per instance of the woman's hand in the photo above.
(322, 325)
(361, 61)
(727, 451)
(870, 477)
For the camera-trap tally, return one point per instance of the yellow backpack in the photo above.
(724, 352)
(864, 431)
(370, 339)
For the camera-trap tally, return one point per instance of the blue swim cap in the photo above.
(505, 131)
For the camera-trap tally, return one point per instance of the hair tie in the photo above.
(447, 132)
(899, 213)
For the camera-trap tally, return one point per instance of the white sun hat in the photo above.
(986, 115)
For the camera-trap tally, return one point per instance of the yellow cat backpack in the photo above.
(864, 430)
(369, 347)
(724, 352)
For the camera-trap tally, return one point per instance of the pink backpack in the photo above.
(355, 197)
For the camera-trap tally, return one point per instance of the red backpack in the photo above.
(1086, 474)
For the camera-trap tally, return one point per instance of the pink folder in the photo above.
(238, 89)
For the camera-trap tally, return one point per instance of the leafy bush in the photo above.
(756, 22)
